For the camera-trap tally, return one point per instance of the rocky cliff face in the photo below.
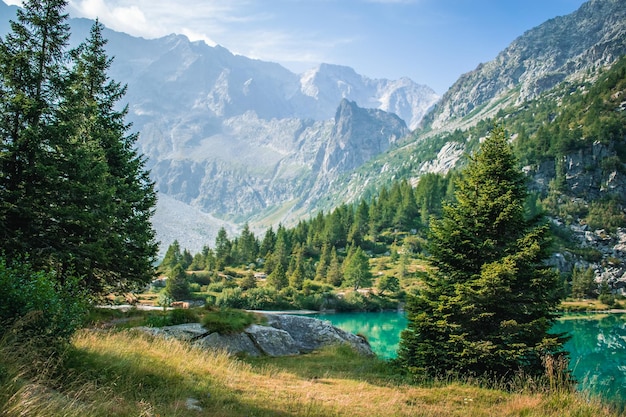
(329, 84)
(254, 164)
(242, 139)
(358, 135)
(562, 47)
(586, 175)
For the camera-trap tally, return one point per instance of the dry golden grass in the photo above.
(586, 305)
(109, 373)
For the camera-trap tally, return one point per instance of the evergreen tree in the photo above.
(282, 248)
(248, 247)
(248, 281)
(177, 286)
(584, 283)
(269, 240)
(187, 259)
(209, 259)
(32, 58)
(322, 266)
(222, 249)
(488, 305)
(388, 283)
(335, 274)
(335, 232)
(375, 219)
(73, 192)
(297, 275)
(407, 212)
(278, 278)
(130, 251)
(172, 257)
(198, 263)
(357, 269)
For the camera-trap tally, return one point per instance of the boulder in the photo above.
(272, 341)
(187, 332)
(311, 334)
(238, 343)
(284, 335)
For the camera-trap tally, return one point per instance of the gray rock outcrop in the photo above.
(311, 334)
(284, 335)
(610, 266)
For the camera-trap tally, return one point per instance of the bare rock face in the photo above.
(271, 341)
(231, 343)
(538, 60)
(284, 335)
(610, 266)
(311, 334)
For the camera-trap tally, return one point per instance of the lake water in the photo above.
(597, 346)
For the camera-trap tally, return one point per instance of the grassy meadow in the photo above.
(123, 372)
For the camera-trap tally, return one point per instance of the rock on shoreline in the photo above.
(284, 335)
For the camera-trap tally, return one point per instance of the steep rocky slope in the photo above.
(247, 140)
(561, 48)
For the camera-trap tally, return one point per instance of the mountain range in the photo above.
(230, 139)
(562, 50)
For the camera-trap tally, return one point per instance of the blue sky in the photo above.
(432, 42)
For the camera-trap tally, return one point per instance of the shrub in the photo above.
(200, 277)
(607, 214)
(36, 307)
(264, 299)
(171, 318)
(220, 286)
(227, 321)
(608, 299)
(312, 301)
(230, 297)
(354, 301)
(315, 287)
(181, 316)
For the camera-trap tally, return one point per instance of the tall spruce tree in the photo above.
(32, 57)
(74, 195)
(488, 305)
(120, 231)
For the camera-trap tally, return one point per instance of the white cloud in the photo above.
(198, 19)
(197, 36)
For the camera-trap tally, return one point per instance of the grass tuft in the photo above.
(228, 321)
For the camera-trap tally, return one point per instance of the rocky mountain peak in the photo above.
(360, 134)
(535, 62)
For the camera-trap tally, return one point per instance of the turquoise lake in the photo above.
(597, 346)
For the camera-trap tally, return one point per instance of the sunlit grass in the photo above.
(127, 373)
(586, 305)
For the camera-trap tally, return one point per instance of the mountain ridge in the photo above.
(536, 61)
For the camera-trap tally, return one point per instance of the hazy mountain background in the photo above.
(231, 139)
